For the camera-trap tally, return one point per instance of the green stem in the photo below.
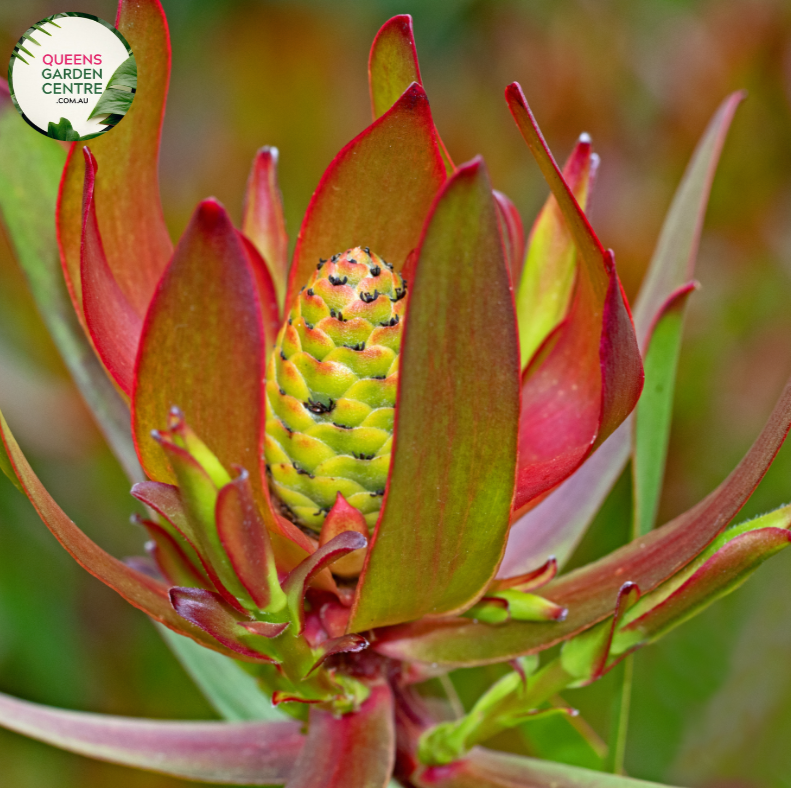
(505, 704)
(620, 721)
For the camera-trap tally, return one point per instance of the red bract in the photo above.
(482, 433)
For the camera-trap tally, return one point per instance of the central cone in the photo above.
(331, 388)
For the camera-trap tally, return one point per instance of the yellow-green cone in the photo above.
(331, 388)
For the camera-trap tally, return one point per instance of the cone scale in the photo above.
(331, 389)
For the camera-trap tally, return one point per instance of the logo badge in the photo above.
(72, 76)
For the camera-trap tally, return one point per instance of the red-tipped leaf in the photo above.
(513, 234)
(376, 192)
(211, 613)
(556, 525)
(297, 582)
(393, 67)
(112, 322)
(392, 64)
(173, 559)
(246, 542)
(590, 592)
(202, 349)
(547, 282)
(128, 206)
(267, 295)
(341, 519)
(442, 529)
(356, 750)
(247, 754)
(262, 218)
(724, 571)
(578, 391)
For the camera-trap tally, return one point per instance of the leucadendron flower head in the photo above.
(359, 463)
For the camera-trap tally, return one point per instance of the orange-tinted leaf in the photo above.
(356, 750)
(587, 379)
(442, 528)
(376, 192)
(133, 230)
(202, 349)
(262, 218)
(113, 324)
(392, 63)
(140, 590)
(238, 753)
(590, 593)
(393, 67)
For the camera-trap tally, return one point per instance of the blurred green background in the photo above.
(712, 702)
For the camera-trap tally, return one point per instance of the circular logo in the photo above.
(72, 76)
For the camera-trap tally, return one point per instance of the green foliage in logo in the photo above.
(117, 97)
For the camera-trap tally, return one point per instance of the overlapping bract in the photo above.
(482, 432)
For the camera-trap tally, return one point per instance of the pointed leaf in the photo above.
(202, 349)
(727, 569)
(442, 528)
(246, 541)
(651, 424)
(165, 500)
(134, 234)
(210, 612)
(30, 167)
(659, 314)
(172, 559)
(393, 67)
(556, 525)
(547, 281)
(489, 769)
(138, 589)
(211, 752)
(673, 262)
(297, 582)
(262, 217)
(113, 324)
(341, 519)
(356, 750)
(596, 350)
(392, 63)
(394, 162)
(590, 592)
(513, 233)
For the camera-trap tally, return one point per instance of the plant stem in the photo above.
(620, 713)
